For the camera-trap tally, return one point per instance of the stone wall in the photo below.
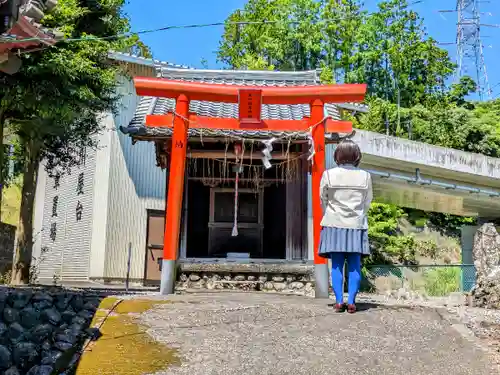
(288, 278)
(42, 331)
(7, 238)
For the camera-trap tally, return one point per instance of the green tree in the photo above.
(388, 49)
(54, 103)
(397, 59)
(383, 230)
(443, 124)
(459, 91)
(342, 20)
(291, 40)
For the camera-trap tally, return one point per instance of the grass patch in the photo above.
(11, 202)
(125, 348)
(442, 281)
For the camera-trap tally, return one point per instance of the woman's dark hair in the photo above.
(347, 152)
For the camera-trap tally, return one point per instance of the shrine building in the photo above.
(236, 154)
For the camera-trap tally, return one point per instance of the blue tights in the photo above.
(354, 270)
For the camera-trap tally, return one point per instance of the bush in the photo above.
(5, 277)
(427, 248)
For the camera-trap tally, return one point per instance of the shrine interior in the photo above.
(260, 195)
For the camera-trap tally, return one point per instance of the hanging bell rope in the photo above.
(237, 152)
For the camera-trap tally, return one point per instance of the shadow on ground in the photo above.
(362, 306)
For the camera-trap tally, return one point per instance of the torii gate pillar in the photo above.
(174, 196)
(250, 100)
(321, 274)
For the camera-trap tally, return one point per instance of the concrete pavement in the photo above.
(234, 333)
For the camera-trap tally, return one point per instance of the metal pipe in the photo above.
(420, 181)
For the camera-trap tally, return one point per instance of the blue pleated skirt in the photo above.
(343, 240)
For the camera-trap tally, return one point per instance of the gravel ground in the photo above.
(258, 333)
(483, 324)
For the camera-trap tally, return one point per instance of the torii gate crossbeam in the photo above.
(250, 100)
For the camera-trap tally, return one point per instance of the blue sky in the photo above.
(190, 46)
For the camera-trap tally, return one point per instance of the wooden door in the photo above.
(154, 246)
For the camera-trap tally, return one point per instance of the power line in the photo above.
(12, 38)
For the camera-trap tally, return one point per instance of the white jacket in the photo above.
(346, 194)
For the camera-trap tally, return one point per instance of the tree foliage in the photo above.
(388, 244)
(54, 103)
(388, 49)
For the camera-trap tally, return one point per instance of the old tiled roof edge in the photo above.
(145, 61)
(145, 133)
(223, 74)
(354, 107)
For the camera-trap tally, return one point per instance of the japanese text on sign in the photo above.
(250, 105)
(79, 211)
(57, 181)
(82, 156)
(53, 231)
(79, 187)
(55, 200)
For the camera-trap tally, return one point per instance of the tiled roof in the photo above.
(139, 60)
(28, 27)
(161, 106)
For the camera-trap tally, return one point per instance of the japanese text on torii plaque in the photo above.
(250, 106)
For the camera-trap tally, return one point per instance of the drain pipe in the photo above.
(418, 180)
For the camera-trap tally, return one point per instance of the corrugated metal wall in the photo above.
(66, 235)
(133, 185)
(136, 184)
(329, 161)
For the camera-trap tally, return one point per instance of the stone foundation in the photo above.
(41, 332)
(288, 278)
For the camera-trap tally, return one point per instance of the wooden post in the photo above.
(318, 167)
(129, 258)
(175, 195)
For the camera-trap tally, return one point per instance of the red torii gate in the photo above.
(250, 100)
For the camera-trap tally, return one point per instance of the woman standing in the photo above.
(346, 194)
